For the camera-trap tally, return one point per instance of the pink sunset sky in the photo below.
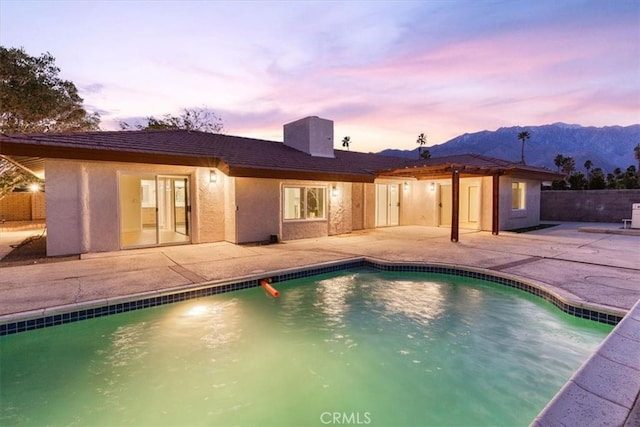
(383, 71)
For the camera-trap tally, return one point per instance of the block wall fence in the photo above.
(23, 207)
(587, 205)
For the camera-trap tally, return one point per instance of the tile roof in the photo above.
(237, 156)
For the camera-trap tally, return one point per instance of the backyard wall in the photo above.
(587, 205)
(22, 207)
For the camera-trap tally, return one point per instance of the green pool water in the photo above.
(354, 348)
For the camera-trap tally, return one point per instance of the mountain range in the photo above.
(607, 147)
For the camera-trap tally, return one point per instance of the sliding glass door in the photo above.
(154, 210)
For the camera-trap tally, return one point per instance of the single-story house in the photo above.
(107, 191)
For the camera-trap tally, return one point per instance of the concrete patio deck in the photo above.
(600, 270)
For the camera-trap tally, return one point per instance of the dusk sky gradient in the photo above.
(383, 71)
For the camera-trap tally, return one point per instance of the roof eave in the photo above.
(540, 174)
(80, 153)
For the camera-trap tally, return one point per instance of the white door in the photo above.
(387, 205)
(394, 204)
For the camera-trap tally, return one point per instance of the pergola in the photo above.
(471, 165)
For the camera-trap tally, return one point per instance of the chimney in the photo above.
(311, 135)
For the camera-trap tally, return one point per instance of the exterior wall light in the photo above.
(406, 186)
(34, 188)
(213, 177)
(432, 187)
(334, 191)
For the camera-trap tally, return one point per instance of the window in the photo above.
(518, 195)
(148, 193)
(304, 203)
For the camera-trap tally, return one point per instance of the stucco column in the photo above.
(495, 201)
(85, 218)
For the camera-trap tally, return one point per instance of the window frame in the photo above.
(521, 186)
(304, 213)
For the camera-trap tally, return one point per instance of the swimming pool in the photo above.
(355, 347)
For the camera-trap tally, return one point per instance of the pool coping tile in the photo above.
(576, 406)
(608, 383)
(96, 308)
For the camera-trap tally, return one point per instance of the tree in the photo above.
(12, 176)
(597, 180)
(197, 119)
(636, 153)
(568, 166)
(577, 181)
(346, 141)
(614, 179)
(523, 136)
(33, 97)
(629, 179)
(558, 161)
(588, 165)
(422, 141)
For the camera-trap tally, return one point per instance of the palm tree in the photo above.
(558, 161)
(636, 152)
(422, 140)
(587, 165)
(568, 166)
(346, 141)
(523, 136)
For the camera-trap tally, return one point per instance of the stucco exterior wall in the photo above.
(230, 209)
(83, 205)
(369, 205)
(292, 230)
(208, 215)
(258, 209)
(357, 206)
(339, 217)
(486, 210)
(530, 216)
(421, 203)
(63, 207)
(418, 204)
(340, 208)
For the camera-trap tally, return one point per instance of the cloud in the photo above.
(383, 73)
(92, 88)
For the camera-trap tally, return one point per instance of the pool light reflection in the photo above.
(197, 311)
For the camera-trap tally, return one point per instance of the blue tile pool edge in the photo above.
(43, 318)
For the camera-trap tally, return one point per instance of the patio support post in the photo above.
(455, 204)
(495, 213)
